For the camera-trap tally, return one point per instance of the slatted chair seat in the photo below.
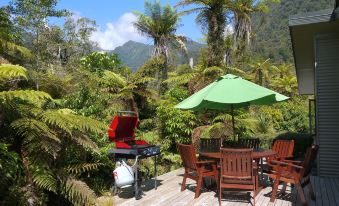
(194, 169)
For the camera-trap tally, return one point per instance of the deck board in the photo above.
(169, 184)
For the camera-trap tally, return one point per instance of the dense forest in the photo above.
(58, 94)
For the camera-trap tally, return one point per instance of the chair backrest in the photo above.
(310, 157)
(253, 143)
(236, 163)
(284, 148)
(188, 156)
(210, 145)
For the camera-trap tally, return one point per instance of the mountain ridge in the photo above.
(134, 54)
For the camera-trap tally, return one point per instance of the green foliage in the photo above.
(9, 71)
(78, 192)
(100, 61)
(295, 115)
(175, 125)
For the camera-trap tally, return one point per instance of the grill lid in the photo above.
(123, 126)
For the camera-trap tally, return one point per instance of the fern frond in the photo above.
(181, 79)
(143, 80)
(35, 97)
(114, 79)
(86, 142)
(9, 71)
(13, 49)
(45, 179)
(70, 122)
(222, 118)
(78, 193)
(105, 201)
(37, 135)
(83, 167)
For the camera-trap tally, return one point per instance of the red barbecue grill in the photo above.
(122, 132)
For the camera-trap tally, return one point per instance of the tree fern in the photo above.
(78, 192)
(9, 71)
(85, 142)
(45, 179)
(180, 79)
(70, 122)
(37, 135)
(31, 96)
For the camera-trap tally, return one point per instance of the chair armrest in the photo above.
(287, 164)
(206, 162)
(297, 162)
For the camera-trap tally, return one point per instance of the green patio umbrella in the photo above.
(230, 92)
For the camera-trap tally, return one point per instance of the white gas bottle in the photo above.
(123, 174)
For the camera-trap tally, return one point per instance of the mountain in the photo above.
(271, 32)
(134, 54)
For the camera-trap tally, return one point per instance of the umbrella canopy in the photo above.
(229, 92)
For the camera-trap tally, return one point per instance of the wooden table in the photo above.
(256, 154)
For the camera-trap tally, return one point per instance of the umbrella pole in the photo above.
(232, 113)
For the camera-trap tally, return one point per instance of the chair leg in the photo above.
(254, 195)
(275, 189)
(183, 184)
(220, 191)
(301, 194)
(310, 187)
(197, 191)
(284, 188)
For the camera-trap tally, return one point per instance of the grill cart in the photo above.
(122, 133)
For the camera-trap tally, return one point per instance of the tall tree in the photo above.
(242, 11)
(212, 16)
(32, 16)
(160, 24)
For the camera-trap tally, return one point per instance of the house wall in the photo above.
(327, 103)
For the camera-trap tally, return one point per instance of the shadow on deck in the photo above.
(168, 193)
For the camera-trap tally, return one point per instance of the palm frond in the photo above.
(78, 192)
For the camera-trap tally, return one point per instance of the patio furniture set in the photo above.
(242, 166)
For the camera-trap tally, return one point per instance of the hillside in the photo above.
(272, 38)
(134, 54)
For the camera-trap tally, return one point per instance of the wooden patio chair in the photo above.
(194, 169)
(210, 145)
(296, 173)
(284, 149)
(238, 171)
(253, 143)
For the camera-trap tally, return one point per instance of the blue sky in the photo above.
(115, 17)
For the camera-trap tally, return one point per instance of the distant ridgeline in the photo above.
(272, 38)
(134, 54)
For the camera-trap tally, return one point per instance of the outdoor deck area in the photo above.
(168, 193)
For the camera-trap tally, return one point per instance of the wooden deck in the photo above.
(168, 194)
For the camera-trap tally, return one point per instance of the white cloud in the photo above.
(117, 33)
